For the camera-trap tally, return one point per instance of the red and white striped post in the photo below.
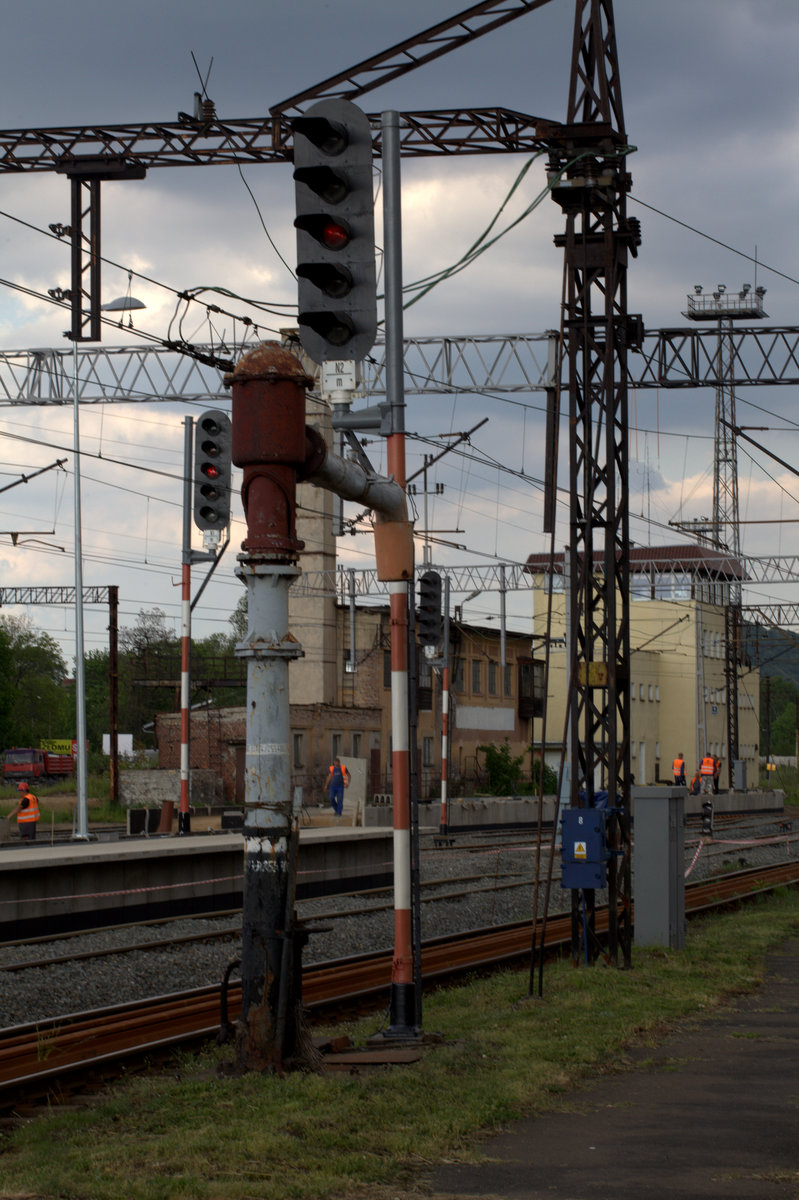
(403, 995)
(444, 823)
(184, 813)
(402, 1008)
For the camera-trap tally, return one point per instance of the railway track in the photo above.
(375, 900)
(41, 1059)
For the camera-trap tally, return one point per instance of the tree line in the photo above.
(37, 692)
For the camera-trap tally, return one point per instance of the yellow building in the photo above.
(678, 692)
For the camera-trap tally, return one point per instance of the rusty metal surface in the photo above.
(262, 139)
(270, 361)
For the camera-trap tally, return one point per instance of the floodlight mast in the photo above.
(724, 533)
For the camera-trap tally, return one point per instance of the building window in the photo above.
(335, 743)
(492, 678)
(531, 688)
(299, 750)
(508, 681)
(424, 684)
(477, 677)
(641, 692)
(356, 745)
(458, 681)
(387, 669)
(428, 752)
(651, 692)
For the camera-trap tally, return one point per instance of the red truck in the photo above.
(31, 764)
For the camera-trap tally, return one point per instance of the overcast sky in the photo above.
(711, 103)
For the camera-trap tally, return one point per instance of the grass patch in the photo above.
(57, 802)
(187, 1134)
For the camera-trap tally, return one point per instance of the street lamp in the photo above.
(81, 832)
(123, 304)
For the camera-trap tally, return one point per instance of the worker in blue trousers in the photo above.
(338, 778)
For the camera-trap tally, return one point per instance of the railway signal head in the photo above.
(707, 818)
(336, 282)
(212, 448)
(430, 623)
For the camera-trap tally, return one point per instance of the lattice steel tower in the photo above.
(724, 532)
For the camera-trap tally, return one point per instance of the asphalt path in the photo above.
(712, 1111)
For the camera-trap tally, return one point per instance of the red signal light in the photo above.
(335, 235)
(212, 460)
(336, 287)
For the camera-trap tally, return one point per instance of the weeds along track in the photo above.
(48, 1059)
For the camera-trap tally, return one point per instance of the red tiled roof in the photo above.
(691, 559)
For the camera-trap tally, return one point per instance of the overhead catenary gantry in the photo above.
(762, 356)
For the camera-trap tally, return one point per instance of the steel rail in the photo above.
(43, 1054)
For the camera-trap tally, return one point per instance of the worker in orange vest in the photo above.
(678, 766)
(707, 770)
(27, 813)
(338, 778)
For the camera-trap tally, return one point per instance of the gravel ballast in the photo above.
(479, 875)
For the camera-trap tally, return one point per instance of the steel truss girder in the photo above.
(52, 595)
(116, 374)
(146, 374)
(247, 141)
(476, 364)
(778, 615)
(687, 358)
(363, 582)
(492, 577)
(358, 582)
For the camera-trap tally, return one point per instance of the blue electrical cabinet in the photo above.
(583, 853)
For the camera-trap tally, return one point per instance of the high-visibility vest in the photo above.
(679, 766)
(345, 775)
(708, 767)
(31, 813)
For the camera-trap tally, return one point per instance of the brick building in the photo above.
(341, 703)
(487, 704)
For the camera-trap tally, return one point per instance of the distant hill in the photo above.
(774, 652)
